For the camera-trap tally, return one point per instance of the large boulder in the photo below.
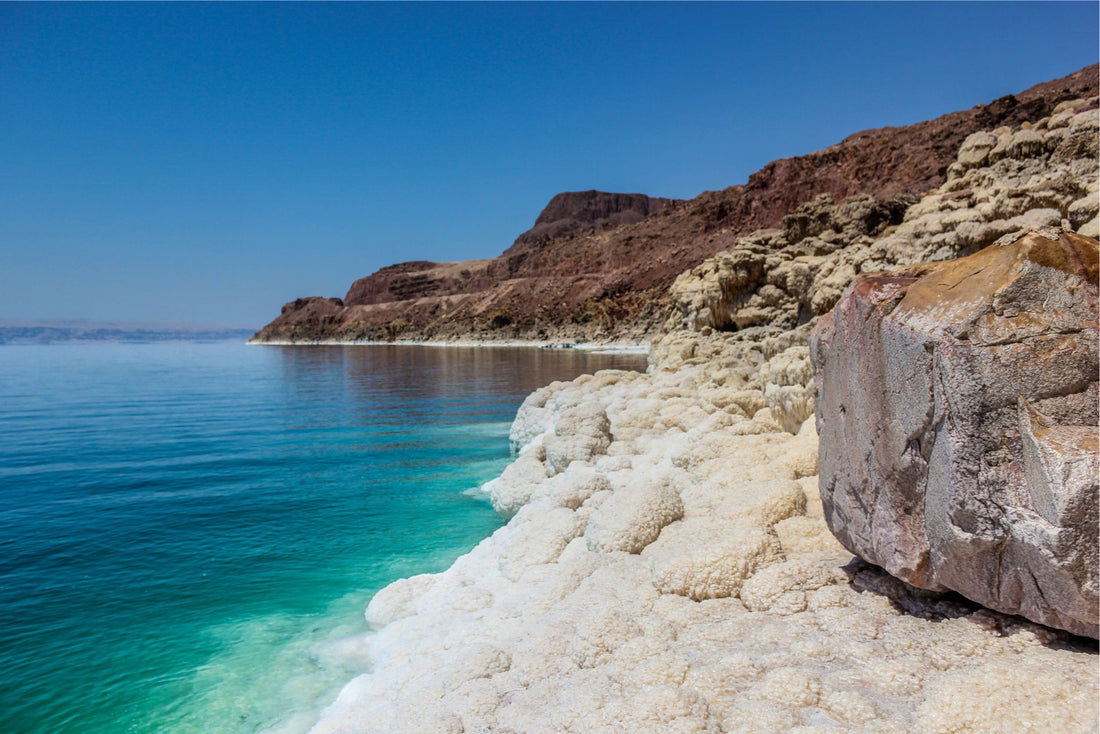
(956, 404)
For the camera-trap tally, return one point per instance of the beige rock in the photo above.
(975, 149)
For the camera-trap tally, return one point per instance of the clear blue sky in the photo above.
(209, 162)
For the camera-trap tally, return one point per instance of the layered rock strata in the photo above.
(957, 408)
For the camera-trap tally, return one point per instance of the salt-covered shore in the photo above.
(666, 567)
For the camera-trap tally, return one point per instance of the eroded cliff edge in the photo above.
(597, 266)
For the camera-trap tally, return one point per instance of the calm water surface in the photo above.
(189, 533)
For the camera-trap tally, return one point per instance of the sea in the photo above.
(190, 532)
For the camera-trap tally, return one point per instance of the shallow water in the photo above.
(189, 532)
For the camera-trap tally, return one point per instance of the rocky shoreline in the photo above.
(668, 565)
(609, 346)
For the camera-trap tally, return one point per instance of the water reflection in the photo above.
(456, 382)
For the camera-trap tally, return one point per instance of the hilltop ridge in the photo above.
(597, 266)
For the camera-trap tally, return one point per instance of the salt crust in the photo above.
(666, 567)
(675, 575)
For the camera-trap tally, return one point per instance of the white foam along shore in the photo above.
(666, 569)
(594, 347)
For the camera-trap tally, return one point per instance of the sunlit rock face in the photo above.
(1003, 181)
(957, 411)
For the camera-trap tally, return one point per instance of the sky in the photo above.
(209, 162)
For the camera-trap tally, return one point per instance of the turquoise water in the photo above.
(189, 533)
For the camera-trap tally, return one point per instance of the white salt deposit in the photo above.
(666, 569)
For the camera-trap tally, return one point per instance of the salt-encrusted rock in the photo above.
(513, 488)
(534, 416)
(633, 516)
(580, 433)
(786, 378)
(706, 560)
(975, 149)
(957, 413)
(398, 600)
(540, 542)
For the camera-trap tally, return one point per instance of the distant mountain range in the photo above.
(75, 330)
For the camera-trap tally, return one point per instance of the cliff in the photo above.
(597, 266)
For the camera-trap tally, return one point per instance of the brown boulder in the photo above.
(957, 411)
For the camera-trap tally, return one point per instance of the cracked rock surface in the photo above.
(957, 412)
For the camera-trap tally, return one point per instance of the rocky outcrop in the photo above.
(303, 319)
(576, 212)
(777, 279)
(957, 412)
(597, 266)
(412, 280)
(735, 311)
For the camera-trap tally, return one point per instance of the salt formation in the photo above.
(667, 567)
(682, 579)
(1004, 181)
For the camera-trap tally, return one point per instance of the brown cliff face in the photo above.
(597, 266)
(419, 279)
(581, 212)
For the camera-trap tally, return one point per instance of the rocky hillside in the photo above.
(598, 266)
(1041, 174)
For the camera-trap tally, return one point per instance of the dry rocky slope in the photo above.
(667, 565)
(597, 266)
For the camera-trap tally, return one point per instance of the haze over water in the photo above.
(189, 532)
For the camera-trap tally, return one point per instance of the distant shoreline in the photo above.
(610, 347)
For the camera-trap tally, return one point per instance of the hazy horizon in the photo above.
(208, 163)
(133, 324)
